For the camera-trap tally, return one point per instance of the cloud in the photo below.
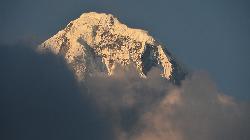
(194, 111)
(40, 99)
(154, 109)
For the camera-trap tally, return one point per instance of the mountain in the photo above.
(96, 42)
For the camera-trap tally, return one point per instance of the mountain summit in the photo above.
(96, 42)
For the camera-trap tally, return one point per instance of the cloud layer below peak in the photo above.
(40, 99)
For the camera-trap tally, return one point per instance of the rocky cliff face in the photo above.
(96, 42)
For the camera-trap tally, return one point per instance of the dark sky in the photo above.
(212, 35)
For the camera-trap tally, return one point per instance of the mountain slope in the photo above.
(96, 42)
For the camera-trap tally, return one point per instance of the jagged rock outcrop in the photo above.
(96, 42)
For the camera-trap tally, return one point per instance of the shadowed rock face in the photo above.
(96, 42)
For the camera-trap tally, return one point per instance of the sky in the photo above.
(41, 99)
(212, 36)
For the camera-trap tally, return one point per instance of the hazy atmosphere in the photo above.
(42, 99)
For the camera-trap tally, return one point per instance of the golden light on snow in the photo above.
(109, 39)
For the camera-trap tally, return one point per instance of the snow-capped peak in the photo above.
(98, 41)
